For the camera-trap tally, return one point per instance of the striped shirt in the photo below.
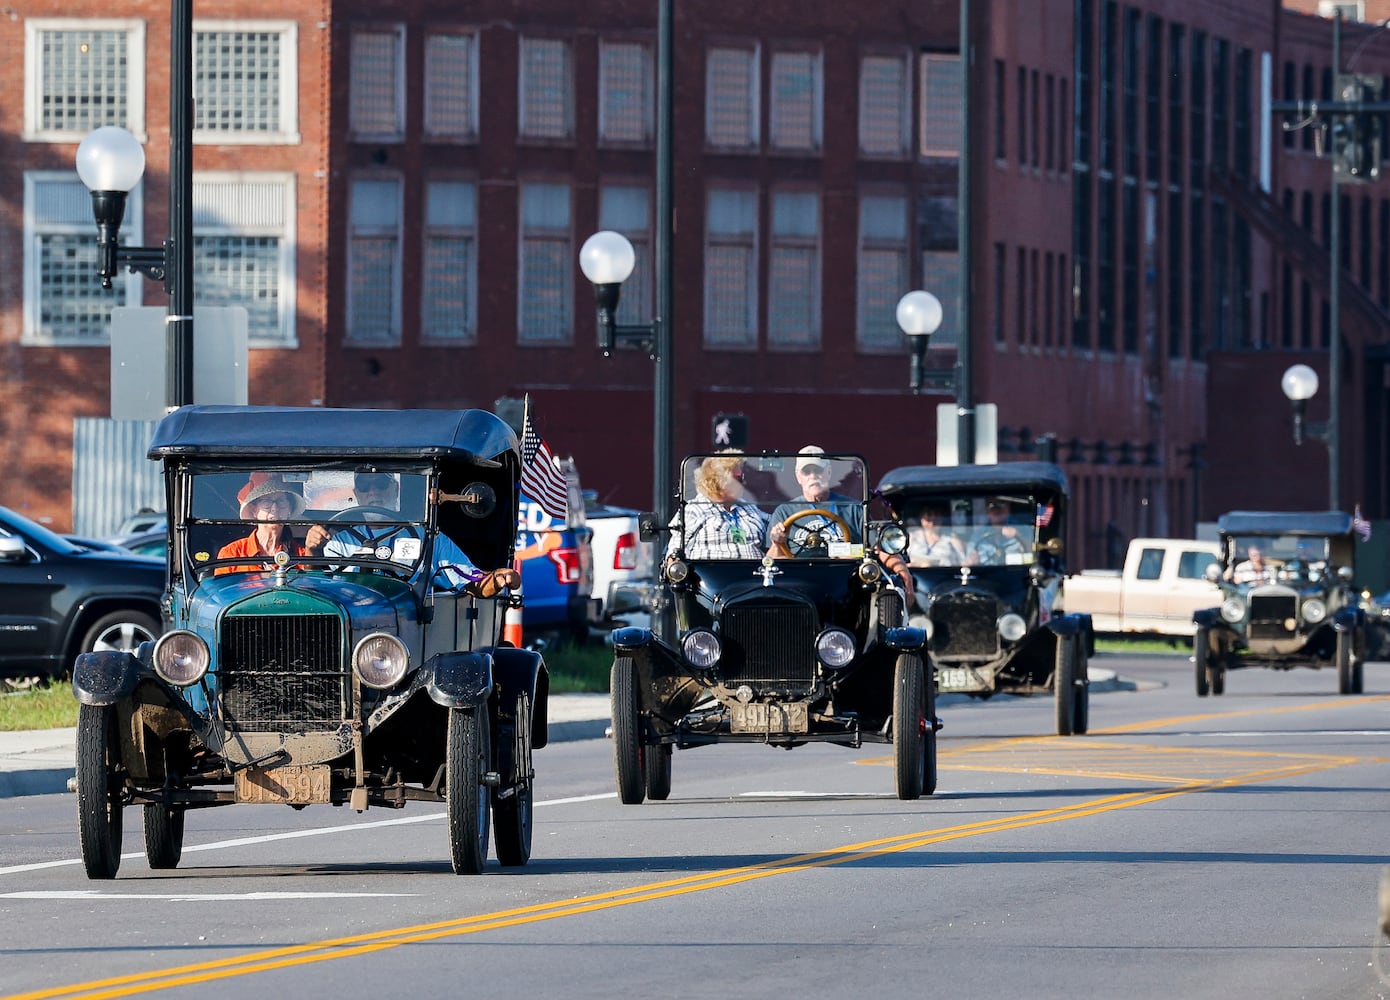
(718, 532)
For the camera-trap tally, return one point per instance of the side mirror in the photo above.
(12, 549)
(1053, 546)
(648, 528)
(1212, 574)
(477, 499)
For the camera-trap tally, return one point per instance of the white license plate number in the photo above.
(775, 718)
(959, 679)
(293, 784)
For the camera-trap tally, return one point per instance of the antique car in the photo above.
(369, 674)
(808, 647)
(986, 555)
(1287, 599)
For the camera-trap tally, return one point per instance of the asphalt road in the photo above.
(1195, 848)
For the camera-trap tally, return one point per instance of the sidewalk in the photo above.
(40, 761)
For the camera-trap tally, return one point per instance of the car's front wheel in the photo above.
(625, 707)
(99, 801)
(467, 798)
(163, 835)
(914, 729)
(1348, 667)
(1201, 657)
(658, 772)
(1064, 684)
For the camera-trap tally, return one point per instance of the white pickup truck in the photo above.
(1161, 585)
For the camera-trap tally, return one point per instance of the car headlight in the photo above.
(1314, 610)
(1233, 609)
(1011, 627)
(835, 648)
(701, 649)
(893, 539)
(380, 660)
(677, 570)
(181, 658)
(869, 571)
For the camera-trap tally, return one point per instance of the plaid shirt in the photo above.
(715, 531)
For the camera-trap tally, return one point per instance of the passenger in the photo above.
(1254, 568)
(723, 523)
(269, 501)
(999, 542)
(930, 545)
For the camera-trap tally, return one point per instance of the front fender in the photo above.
(459, 680)
(632, 637)
(519, 670)
(1208, 618)
(105, 676)
(905, 637)
(1349, 619)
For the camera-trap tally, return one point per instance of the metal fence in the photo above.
(111, 477)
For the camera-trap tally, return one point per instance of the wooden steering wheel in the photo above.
(812, 538)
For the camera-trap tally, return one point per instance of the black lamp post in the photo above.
(110, 163)
(1300, 384)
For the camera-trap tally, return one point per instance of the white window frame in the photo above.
(523, 129)
(751, 141)
(940, 121)
(288, 133)
(395, 230)
(252, 204)
(78, 221)
(748, 239)
(398, 85)
(467, 230)
(904, 141)
(470, 134)
(33, 73)
(647, 97)
(817, 83)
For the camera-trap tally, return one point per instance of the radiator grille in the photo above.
(769, 645)
(282, 673)
(1269, 615)
(964, 625)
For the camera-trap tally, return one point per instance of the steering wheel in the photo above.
(811, 539)
(370, 515)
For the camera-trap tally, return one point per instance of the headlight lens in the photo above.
(1012, 627)
(1233, 609)
(893, 539)
(701, 649)
(380, 660)
(835, 648)
(677, 570)
(869, 571)
(180, 657)
(1314, 610)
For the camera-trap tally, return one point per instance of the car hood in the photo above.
(387, 604)
(1005, 584)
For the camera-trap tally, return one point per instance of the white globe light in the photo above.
(919, 313)
(1299, 382)
(607, 258)
(110, 159)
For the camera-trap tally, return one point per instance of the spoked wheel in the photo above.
(1081, 710)
(99, 802)
(466, 796)
(512, 800)
(657, 761)
(627, 731)
(1063, 683)
(1201, 658)
(1346, 664)
(913, 728)
(163, 835)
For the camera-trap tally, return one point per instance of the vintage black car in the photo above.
(986, 553)
(1287, 599)
(808, 647)
(365, 675)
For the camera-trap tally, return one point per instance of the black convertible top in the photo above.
(1320, 523)
(286, 431)
(1003, 477)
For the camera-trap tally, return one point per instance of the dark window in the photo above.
(1286, 305)
(1130, 69)
(1177, 73)
(1150, 565)
(1241, 166)
(1198, 292)
(1022, 100)
(1308, 96)
(1220, 276)
(1220, 103)
(1085, 78)
(1383, 261)
(1000, 264)
(1153, 98)
(1290, 94)
(1177, 285)
(1109, 82)
(1081, 280)
(1133, 241)
(1051, 140)
(1197, 112)
(1106, 242)
(1000, 145)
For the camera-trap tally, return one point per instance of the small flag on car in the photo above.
(1360, 525)
(1044, 514)
(541, 478)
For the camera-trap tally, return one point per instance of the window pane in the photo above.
(72, 304)
(883, 272)
(794, 114)
(236, 81)
(545, 88)
(625, 92)
(731, 269)
(449, 86)
(547, 264)
(83, 82)
(374, 105)
(941, 106)
(883, 106)
(240, 271)
(625, 209)
(730, 89)
(450, 268)
(374, 280)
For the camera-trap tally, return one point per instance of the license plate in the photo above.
(959, 679)
(295, 784)
(773, 718)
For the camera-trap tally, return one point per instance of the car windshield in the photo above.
(730, 502)
(974, 529)
(1277, 550)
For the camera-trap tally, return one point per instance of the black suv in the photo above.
(810, 647)
(1287, 599)
(986, 547)
(59, 598)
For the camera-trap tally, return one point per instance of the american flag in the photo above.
(541, 478)
(1360, 525)
(1044, 514)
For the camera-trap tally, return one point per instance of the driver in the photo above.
(813, 476)
(453, 569)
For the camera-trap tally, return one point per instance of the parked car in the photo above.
(1162, 583)
(311, 679)
(59, 599)
(778, 652)
(143, 520)
(1300, 609)
(153, 542)
(624, 564)
(992, 611)
(556, 560)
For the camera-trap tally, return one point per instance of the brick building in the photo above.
(399, 197)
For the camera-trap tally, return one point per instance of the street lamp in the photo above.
(607, 260)
(919, 315)
(1300, 384)
(110, 163)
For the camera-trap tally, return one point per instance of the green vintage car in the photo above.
(367, 673)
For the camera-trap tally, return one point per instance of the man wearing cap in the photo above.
(269, 501)
(998, 543)
(813, 476)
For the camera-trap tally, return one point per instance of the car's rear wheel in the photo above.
(466, 796)
(99, 802)
(121, 630)
(1346, 663)
(656, 762)
(1081, 710)
(1201, 658)
(912, 727)
(512, 801)
(1064, 683)
(627, 731)
(163, 835)
(1216, 674)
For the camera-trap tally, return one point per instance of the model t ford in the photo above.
(1287, 599)
(336, 583)
(787, 627)
(986, 554)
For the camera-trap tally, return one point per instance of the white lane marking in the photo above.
(195, 897)
(1299, 732)
(815, 795)
(296, 834)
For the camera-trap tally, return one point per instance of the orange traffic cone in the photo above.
(511, 621)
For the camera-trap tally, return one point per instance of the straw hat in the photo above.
(262, 484)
